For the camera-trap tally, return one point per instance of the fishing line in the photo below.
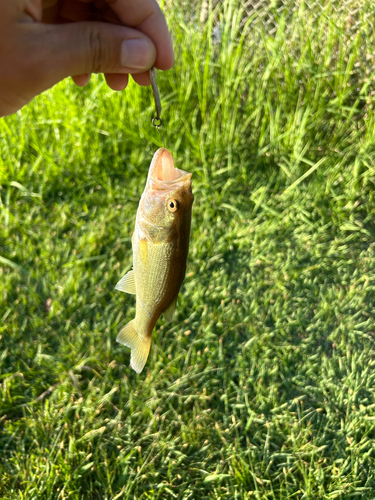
(157, 123)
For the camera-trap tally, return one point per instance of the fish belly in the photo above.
(158, 281)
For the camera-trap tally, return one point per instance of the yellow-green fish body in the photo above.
(160, 250)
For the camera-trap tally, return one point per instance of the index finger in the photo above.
(147, 17)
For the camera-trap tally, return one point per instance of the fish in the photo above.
(160, 245)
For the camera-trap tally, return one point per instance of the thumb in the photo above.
(92, 47)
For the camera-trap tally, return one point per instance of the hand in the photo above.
(44, 41)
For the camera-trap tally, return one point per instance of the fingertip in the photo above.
(117, 81)
(165, 58)
(143, 79)
(137, 54)
(81, 80)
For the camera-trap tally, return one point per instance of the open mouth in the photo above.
(162, 167)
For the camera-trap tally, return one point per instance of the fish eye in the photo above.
(173, 205)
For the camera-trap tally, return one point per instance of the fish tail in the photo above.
(140, 346)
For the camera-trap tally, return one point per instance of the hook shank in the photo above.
(155, 90)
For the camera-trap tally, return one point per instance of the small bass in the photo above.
(160, 249)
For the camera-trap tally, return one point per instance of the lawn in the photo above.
(264, 385)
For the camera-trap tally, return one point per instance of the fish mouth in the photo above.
(162, 169)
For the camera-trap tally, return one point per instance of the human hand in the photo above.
(44, 41)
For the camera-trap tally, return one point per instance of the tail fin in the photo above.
(140, 346)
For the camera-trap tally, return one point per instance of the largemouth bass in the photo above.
(160, 249)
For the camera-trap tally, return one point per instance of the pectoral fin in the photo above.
(127, 283)
(169, 312)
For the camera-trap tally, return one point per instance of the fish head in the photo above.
(165, 206)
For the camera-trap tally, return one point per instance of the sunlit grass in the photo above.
(263, 386)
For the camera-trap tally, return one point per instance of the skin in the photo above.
(44, 41)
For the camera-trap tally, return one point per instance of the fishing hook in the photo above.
(156, 121)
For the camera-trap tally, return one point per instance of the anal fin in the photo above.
(127, 283)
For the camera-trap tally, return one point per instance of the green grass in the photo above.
(263, 386)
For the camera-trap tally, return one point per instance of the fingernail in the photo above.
(137, 54)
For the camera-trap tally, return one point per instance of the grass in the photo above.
(263, 386)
